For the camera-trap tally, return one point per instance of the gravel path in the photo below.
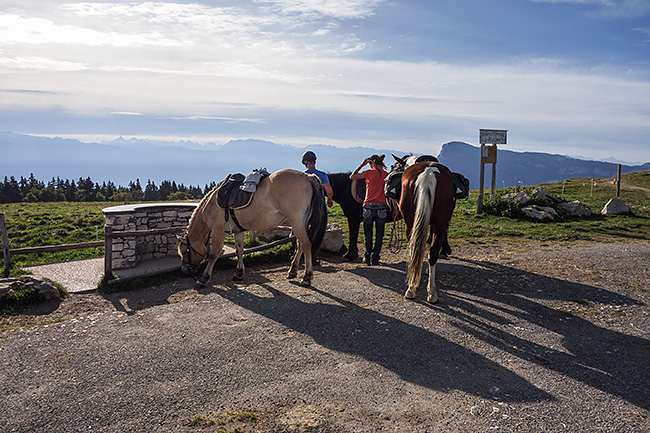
(541, 341)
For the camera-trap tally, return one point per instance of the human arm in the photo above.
(330, 193)
(355, 174)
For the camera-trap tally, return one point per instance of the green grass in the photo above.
(40, 224)
(468, 226)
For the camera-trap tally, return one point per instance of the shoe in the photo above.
(375, 263)
(367, 260)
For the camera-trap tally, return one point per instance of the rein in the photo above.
(190, 249)
(397, 239)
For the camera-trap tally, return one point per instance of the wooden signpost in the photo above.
(489, 138)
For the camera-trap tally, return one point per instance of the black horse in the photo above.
(352, 209)
(342, 187)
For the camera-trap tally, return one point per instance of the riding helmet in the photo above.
(308, 156)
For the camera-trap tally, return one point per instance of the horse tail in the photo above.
(317, 221)
(425, 195)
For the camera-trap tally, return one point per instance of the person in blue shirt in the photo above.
(309, 160)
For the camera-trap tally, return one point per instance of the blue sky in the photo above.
(562, 76)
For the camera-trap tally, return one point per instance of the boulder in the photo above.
(333, 240)
(575, 209)
(45, 289)
(539, 213)
(274, 233)
(615, 207)
(521, 197)
(540, 193)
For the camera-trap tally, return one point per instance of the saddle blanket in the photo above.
(237, 191)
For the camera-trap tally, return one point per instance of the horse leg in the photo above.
(353, 248)
(239, 247)
(304, 247)
(293, 270)
(432, 290)
(214, 252)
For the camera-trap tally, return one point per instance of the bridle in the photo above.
(189, 250)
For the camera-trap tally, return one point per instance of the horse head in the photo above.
(408, 160)
(191, 259)
(400, 163)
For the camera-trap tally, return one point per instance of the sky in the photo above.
(570, 77)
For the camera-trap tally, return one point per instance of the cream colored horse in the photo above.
(285, 196)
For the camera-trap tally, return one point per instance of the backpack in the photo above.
(461, 186)
(393, 188)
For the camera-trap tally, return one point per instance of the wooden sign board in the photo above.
(492, 136)
(489, 154)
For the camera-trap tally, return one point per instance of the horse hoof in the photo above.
(305, 282)
(237, 277)
(409, 294)
(432, 299)
(201, 283)
(291, 275)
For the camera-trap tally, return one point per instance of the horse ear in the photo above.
(399, 160)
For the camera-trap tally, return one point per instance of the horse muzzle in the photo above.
(189, 270)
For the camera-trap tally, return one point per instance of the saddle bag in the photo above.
(393, 188)
(461, 186)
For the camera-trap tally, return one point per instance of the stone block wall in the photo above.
(128, 251)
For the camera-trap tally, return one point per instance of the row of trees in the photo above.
(34, 190)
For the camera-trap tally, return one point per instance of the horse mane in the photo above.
(204, 202)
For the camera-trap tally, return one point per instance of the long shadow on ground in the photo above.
(492, 303)
(415, 354)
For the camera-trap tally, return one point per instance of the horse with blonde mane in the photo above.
(287, 195)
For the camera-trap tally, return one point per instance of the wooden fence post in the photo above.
(5, 243)
(108, 250)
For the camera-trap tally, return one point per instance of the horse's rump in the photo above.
(426, 201)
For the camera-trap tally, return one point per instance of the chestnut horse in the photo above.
(285, 196)
(426, 202)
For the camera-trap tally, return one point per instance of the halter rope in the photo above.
(397, 237)
(190, 249)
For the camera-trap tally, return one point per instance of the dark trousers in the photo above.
(374, 213)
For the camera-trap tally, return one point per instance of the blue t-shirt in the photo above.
(321, 175)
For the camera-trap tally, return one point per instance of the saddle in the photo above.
(426, 158)
(236, 192)
(358, 190)
(393, 187)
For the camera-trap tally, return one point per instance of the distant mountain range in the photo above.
(122, 161)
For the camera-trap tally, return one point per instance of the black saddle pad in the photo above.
(426, 158)
(230, 196)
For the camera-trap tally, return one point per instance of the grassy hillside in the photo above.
(37, 224)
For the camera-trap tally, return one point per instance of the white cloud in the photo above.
(32, 63)
(616, 8)
(342, 9)
(15, 29)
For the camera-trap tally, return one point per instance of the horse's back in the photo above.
(291, 188)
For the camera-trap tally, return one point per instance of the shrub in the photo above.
(499, 207)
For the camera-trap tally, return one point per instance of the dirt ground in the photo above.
(525, 338)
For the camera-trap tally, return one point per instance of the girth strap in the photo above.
(230, 213)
